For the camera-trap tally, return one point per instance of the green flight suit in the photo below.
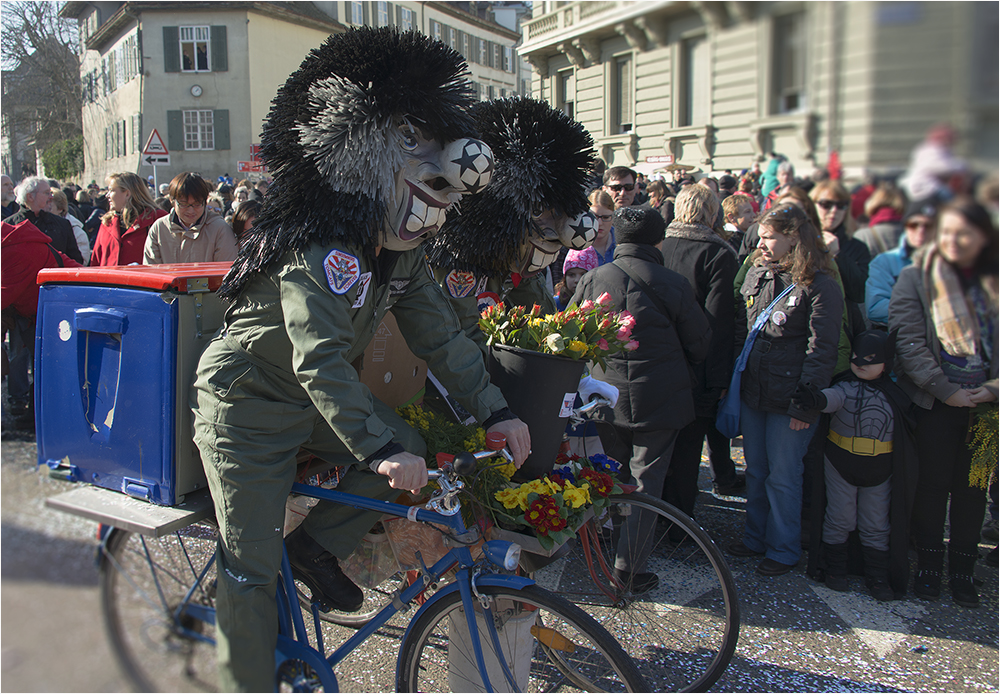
(278, 377)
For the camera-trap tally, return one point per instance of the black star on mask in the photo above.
(472, 160)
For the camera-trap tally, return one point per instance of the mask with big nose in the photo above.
(549, 231)
(432, 179)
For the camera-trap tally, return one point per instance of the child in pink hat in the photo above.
(576, 265)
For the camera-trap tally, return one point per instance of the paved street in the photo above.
(796, 635)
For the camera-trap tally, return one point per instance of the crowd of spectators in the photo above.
(886, 292)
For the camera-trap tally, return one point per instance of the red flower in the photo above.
(543, 516)
(600, 483)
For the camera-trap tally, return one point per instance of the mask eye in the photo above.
(537, 212)
(409, 141)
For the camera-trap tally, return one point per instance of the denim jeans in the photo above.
(774, 455)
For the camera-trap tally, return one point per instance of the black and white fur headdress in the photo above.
(329, 139)
(542, 159)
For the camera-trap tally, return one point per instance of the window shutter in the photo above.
(175, 131)
(220, 51)
(390, 14)
(364, 14)
(220, 120)
(399, 16)
(171, 50)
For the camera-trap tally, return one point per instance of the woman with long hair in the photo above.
(131, 211)
(797, 344)
(944, 307)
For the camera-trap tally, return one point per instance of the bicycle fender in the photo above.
(503, 580)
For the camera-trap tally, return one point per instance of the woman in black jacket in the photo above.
(832, 204)
(797, 344)
(695, 251)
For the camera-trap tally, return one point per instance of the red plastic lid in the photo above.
(176, 276)
(495, 441)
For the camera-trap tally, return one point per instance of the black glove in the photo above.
(808, 397)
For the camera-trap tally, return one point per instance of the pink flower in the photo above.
(605, 324)
(623, 334)
(604, 299)
(603, 344)
(587, 305)
(626, 319)
(632, 346)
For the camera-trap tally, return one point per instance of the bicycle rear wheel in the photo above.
(548, 643)
(159, 634)
(682, 633)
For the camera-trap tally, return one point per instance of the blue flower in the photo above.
(566, 473)
(604, 463)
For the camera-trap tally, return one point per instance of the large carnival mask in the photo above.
(433, 178)
(536, 203)
(549, 232)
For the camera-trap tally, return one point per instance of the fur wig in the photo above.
(542, 159)
(331, 143)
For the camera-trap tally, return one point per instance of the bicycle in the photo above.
(682, 634)
(158, 602)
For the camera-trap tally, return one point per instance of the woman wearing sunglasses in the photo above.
(832, 204)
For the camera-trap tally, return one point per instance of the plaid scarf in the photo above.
(955, 321)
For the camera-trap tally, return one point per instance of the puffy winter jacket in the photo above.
(115, 247)
(655, 380)
(26, 250)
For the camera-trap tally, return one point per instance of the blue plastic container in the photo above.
(115, 355)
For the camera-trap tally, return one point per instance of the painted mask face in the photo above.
(434, 176)
(550, 231)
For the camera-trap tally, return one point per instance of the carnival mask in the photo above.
(550, 230)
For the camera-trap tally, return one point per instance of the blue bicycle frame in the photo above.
(293, 642)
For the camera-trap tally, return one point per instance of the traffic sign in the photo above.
(156, 159)
(154, 145)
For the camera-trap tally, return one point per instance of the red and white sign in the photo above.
(661, 159)
(154, 145)
(248, 167)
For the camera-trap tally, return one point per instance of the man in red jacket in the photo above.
(26, 250)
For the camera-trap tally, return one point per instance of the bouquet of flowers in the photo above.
(590, 331)
(554, 506)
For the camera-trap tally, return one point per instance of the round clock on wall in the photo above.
(196, 90)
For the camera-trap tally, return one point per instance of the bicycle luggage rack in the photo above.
(134, 515)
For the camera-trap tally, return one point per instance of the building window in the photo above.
(525, 87)
(490, 93)
(465, 47)
(496, 56)
(789, 71)
(566, 92)
(383, 14)
(452, 38)
(357, 13)
(436, 30)
(194, 49)
(508, 59)
(621, 95)
(482, 52)
(693, 82)
(199, 130)
(406, 18)
(137, 132)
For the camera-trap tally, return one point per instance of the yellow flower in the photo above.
(578, 346)
(554, 486)
(538, 487)
(576, 496)
(507, 470)
(509, 498)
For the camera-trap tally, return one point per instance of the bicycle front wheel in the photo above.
(681, 628)
(547, 643)
(158, 599)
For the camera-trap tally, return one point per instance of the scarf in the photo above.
(955, 322)
(885, 215)
(696, 232)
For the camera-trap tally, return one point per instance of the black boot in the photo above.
(960, 565)
(927, 582)
(877, 573)
(319, 570)
(835, 558)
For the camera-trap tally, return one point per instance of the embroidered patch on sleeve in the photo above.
(487, 299)
(460, 283)
(342, 271)
(363, 283)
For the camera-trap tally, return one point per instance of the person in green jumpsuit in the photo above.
(370, 146)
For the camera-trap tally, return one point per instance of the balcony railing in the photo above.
(569, 16)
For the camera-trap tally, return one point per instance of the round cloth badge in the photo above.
(779, 317)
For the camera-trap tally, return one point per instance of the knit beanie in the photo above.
(586, 260)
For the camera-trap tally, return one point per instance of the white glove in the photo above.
(590, 386)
